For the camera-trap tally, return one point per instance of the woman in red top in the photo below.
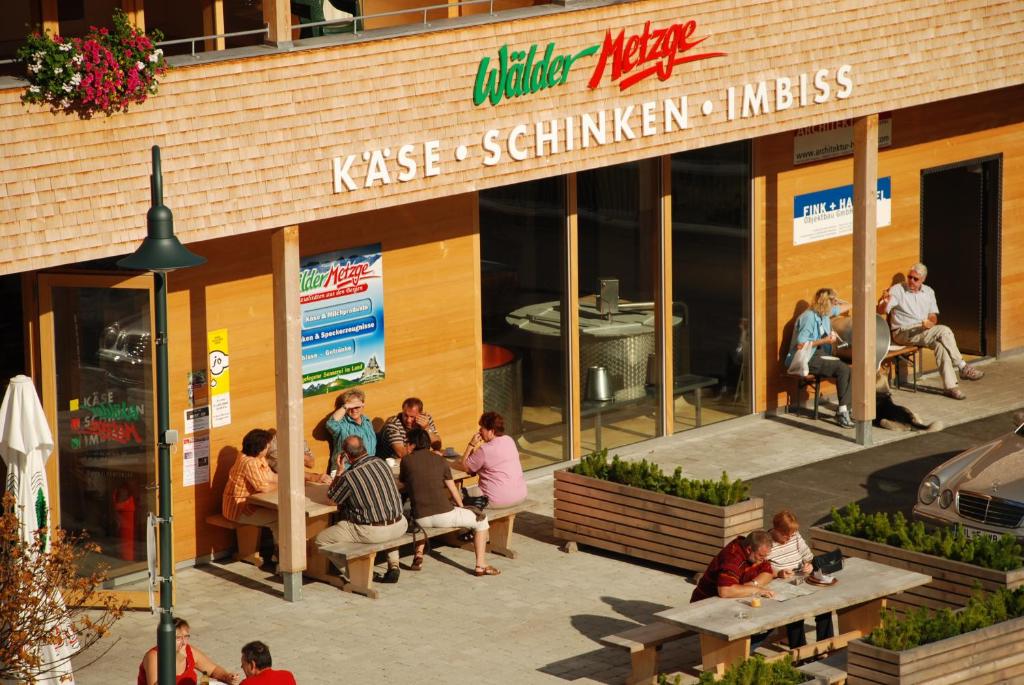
(188, 661)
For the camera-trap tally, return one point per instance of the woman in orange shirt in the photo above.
(251, 474)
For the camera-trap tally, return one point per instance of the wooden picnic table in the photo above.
(725, 626)
(319, 510)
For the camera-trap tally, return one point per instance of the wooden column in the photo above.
(278, 16)
(288, 372)
(136, 13)
(48, 11)
(571, 321)
(865, 239)
(213, 24)
(663, 301)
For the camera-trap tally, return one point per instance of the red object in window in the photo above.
(124, 509)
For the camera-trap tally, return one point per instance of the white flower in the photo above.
(56, 71)
(66, 87)
(159, 51)
(77, 60)
(34, 90)
(66, 47)
(76, 79)
(140, 66)
(34, 68)
(39, 56)
(65, 102)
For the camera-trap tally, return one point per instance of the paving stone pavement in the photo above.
(540, 621)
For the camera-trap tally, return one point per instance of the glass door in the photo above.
(98, 390)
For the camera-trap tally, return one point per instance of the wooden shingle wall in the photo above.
(923, 138)
(248, 143)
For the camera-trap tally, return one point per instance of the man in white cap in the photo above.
(348, 419)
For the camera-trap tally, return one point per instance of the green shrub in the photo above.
(922, 626)
(753, 671)
(1003, 554)
(648, 476)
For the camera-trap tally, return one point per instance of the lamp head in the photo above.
(161, 250)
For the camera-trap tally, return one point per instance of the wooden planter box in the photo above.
(648, 525)
(952, 581)
(989, 655)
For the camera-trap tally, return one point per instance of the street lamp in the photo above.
(161, 252)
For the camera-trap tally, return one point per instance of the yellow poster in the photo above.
(220, 377)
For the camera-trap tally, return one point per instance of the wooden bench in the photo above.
(643, 644)
(359, 557)
(823, 673)
(248, 538)
(908, 354)
(808, 381)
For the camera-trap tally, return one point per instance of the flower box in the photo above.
(648, 525)
(987, 655)
(952, 581)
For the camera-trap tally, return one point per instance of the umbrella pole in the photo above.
(165, 637)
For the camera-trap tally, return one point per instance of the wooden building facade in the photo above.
(531, 152)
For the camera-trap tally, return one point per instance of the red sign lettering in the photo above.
(649, 53)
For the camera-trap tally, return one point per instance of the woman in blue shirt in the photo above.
(814, 327)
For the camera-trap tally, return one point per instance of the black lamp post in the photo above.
(161, 252)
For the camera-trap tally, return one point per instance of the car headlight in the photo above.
(946, 498)
(929, 490)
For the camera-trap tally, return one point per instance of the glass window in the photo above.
(522, 266)
(711, 233)
(103, 360)
(618, 230)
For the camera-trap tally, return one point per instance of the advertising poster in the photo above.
(196, 454)
(341, 303)
(829, 213)
(220, 377)
(834, 139)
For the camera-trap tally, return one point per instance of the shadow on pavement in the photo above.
(224, 573)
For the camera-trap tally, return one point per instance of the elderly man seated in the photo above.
(914, 317)
(368, 499)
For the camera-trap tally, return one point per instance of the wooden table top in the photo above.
(317, 503)
(860, 581)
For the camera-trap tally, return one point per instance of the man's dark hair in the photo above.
(411, 402)
(258, 653)
(255, 441)
(418, 438)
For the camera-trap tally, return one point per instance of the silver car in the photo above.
(981, 489)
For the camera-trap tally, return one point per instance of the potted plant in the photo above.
(976, 644)
(955, 562)
(635, 509)
(106, 71)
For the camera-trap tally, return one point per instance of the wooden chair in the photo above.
(808, 381)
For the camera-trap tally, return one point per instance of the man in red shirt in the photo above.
(741, 569)
(256, 664)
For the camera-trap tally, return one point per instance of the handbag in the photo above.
(828, 563)
(480, 501)
(798, 367)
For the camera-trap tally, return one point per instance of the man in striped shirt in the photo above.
(368, 499)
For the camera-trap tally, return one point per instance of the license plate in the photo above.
(975, 532)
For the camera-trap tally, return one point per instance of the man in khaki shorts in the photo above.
(914, 319)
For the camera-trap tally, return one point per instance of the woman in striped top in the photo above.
(789, 555)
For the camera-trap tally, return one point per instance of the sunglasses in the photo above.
(913, 278)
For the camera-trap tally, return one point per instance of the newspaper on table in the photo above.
(786, 589)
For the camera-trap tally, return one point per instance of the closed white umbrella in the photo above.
(25, 445)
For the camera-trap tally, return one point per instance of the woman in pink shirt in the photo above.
(494, 457)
